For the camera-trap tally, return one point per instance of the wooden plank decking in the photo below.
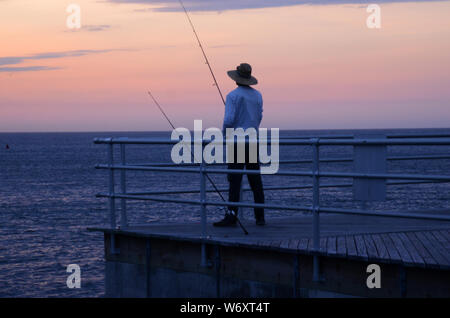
(418, 243)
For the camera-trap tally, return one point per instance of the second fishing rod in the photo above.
(206, 175)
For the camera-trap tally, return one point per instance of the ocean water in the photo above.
(47, 200)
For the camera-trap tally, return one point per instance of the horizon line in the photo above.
(163, 131)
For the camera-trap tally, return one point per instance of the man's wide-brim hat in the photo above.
(243, 75)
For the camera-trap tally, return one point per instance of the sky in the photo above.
(318, 64)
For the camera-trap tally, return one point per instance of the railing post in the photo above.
(123, 188)
(241, 194)
(203, 209)
(316, 200)
(112, 202)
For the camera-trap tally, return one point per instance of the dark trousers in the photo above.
(253, 179)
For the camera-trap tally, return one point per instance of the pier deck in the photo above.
(410, 242)
(163, 259)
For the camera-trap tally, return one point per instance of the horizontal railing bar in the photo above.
(321, 136)
(213, 203)
(394, 214)
(414, 157)
(418, 157)
(194, 170)
(283, 173)
(169, 164)
(336, 142)
(387, 142)
(383, 176)
(271, 188)
(344, 136)
(423, 135)
(266, 188)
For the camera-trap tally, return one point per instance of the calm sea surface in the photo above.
(47, 200)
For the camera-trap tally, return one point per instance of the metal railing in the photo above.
(315, 174)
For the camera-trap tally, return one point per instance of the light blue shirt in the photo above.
(243, 108)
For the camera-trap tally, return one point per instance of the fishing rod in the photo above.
(218, 89)
(203, 51)
(207, 176)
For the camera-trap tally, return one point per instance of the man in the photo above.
(243, 109)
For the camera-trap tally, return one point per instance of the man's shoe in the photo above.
(228, 220)
(259, 216)
(260, 221)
